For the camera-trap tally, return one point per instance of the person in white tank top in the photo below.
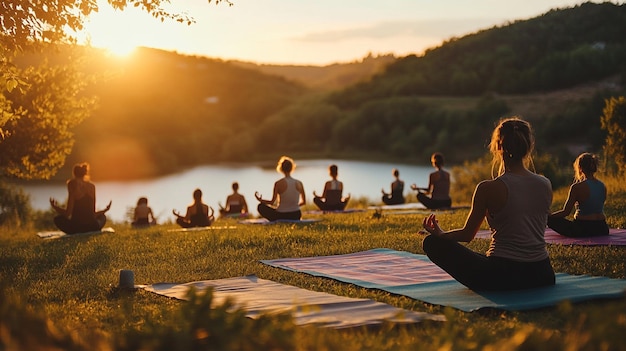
(287, 197)
(516, 205)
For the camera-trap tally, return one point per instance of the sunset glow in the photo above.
(317, 33)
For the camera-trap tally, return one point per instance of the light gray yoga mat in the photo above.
(258, 296)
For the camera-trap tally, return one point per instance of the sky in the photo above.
(301, 32)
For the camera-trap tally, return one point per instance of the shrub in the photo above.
(15, 209)
(614, 122)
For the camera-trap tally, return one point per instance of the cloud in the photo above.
(420, 28)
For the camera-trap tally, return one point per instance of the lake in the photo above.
(361, 179)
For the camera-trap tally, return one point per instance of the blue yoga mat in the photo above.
(414, 276)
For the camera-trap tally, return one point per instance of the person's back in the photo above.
(200, 215)
(83, 216)
(288, 193)
(289, 199)
(594, 202)
(396, 196)
(588, 195)
(437, 194)
(79, 216)
(441, 186)
(332, 197)
(516, 205)
(519, 226)
(235, 203)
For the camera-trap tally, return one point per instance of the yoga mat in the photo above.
(259, 296)
(405, 206)
(616, 237)
(349, 210)
(265, 221)
(426, 211)
(199, 229)
(57, 234)
(415, 276)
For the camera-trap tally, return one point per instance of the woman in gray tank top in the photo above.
(287, 197)
(516, 205)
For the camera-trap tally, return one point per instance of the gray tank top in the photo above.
(518, 228)
(289, 199)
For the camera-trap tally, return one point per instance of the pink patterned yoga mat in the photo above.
(616, 237)
(373, 266)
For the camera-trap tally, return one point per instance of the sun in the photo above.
(121, 49)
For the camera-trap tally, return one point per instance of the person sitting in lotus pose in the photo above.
(235, 204)
(516, 205)
(143, 216)
(588, 195)
(331, 199)
(80, 215)
(396, 197)
(437, 194)
(288, 193)
(198, 214)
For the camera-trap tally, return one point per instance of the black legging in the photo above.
(432, 203)
(578, 228)
(82, 225)
(393, 199)
(325, 206)
(272, 215)
(479, 272)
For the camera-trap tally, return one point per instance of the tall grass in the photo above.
(58, 294)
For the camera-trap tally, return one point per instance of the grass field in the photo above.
(57, 294)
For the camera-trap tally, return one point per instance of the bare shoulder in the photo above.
(490, 186)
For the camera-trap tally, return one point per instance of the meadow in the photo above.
(60, 294)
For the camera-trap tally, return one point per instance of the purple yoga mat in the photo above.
(616, 237)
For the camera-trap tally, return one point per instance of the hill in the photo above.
(330, 77)
(557, 50)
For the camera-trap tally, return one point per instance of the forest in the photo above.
(159, 112)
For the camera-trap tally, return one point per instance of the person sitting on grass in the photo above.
(288, 193)
(235, 204)
(331, 199)
(80, 215)
(516, 205)
(143, 216)
(588, 194)
(437, 195)
(396, 197)
(198, 214)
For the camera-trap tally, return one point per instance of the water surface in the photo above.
(361, 179)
